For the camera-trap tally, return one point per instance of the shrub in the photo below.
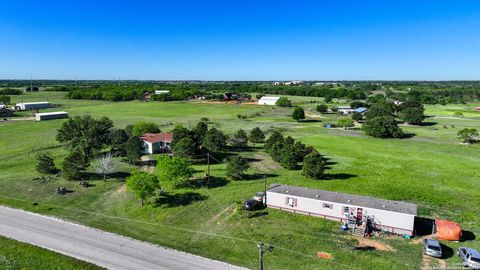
(468, 135)
(322, 108)
(240, 139)
(142, 184)
(382, 127)
(314, 165)
(283, 102)
(236, 167)
(298, 114)
(45, 164)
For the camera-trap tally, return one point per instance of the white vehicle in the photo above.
(470, 257)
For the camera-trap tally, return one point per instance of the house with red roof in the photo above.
(155, 143)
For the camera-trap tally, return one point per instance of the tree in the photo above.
(240, 139)
(258, 96)
(133, 149)
(185, 148)
(357, 116)
(175, 170)
(380, 109)
(382, 127)
(142, 127)
(236, 167)
(412, 115)
(200, 131)
(283, 102)
(85, 134)
(468, 135)
(142, 184)
(45, 164)
(274, 141)
(105, 165)
(256, 135)
(288, 154)
(345, 122)
(298, 114)
(118, 137)
(322, 108)
(357, 104)
(73, 165)
(314, 165)
(328, 99)
(180, 132)
(458, 114)
(214, 140)
(301, 151)
(5, 99)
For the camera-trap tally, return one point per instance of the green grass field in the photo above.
(16, 255)
(430, 169)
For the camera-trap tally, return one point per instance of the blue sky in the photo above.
(240, 40)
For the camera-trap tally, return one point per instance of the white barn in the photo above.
(392, 216)
(33, 105)
(268, 100)
(50, 116)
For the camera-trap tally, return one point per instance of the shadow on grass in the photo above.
(468, 236)
(408, 135)
(310, 121)
(257, 176)
(179, 199)
(212, 182)
(423, 226)
(447, 252)
(257, 214)
(95, 176)
(427, 124)
(339, 176)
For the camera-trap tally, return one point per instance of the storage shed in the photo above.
(50, 116)
(392, 216)
(268, 100)
(154, 143)
(33, 105)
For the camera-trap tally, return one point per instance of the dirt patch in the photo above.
(427, 260)
(120, 189)
(368, 242)
(147, 168)
(264, 163)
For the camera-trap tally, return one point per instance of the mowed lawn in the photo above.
(16, 255)
(430, 169)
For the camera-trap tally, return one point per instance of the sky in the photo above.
(240, 40)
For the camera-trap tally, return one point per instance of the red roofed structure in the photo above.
(157, 142)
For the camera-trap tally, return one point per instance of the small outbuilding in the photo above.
(392, 216)
(50, 116)
(161, 92)
(32, 105)
(268, 100)
(345, 110)
(154, 143)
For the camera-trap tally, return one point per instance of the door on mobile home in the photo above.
(359, 215)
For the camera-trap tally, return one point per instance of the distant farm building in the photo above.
(268, 100)
(154, 143)
(230, 96)
(32, 105)
(161, 92)
(50, 116)
(392, 216)
(477, 109)
(4, 112)
(345, 110)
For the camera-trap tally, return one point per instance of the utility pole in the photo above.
(261, 252)
(265, 190)
(208, 169)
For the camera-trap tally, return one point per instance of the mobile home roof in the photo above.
(347, 199)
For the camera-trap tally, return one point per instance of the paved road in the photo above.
(101, 248)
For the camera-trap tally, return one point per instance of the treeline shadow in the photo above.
(205, 182)
(86, 176)
(338, 176)
(179, 199)
(257, 176)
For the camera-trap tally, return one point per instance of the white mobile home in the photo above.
(50, 116)
(161, 92)
(32, 105)
(268, 100)
(345, 110)
(393, 216)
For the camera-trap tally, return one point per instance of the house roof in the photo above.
(344, 108)
(157, 137)
(347, 199)
(361, 110)
(269, 98)
(51, 113)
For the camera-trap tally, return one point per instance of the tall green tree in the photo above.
(118, 137)
(133, 149)
(322, 108)
(412, 115)
(143, 127)
(214, 140)
(236, 167)
(283, 102)
(186, 148)
(298, 114)
(85, 134)
(256, 135)
(288, 154)
(73, 165)
(380, 109)
(143, 185)
(382, 127)
(200, 131)
(5, 99)
(314, 166)
(175, 170)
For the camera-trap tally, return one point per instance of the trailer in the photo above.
(50, 116)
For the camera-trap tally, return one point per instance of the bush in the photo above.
(412, 115)
(185, 148)
(240, 139)
(357, 116)
(322, 108)
(298, 114)
(458, 114)
(142, 127)
(5, 100)
(256, 135)
(214, 140)
(314, 166)
(283, 102)
(236, 167)
(382, 127)
(133, 149)
(345, 122)
(175, 170)
(45, 164)
(142, 184)
(10, 91)
(468, 135)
